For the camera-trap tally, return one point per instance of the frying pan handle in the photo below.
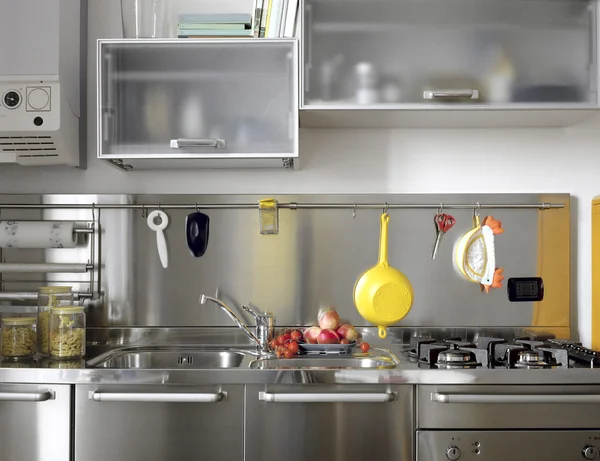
(382, 332)
(383, 240)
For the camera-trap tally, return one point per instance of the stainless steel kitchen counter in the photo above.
(403, 374)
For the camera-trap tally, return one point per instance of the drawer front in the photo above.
(322, 423)
(507, 445)
(492, 407)
(158, 423)
(35, 423)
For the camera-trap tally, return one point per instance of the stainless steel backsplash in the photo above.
(313, 261)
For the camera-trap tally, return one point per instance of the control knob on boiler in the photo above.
(453, 453)
(590, 452)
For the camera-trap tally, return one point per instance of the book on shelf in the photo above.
(258, 6)
(222, 18)
(212, 26)
(215, 32)
(281, 19)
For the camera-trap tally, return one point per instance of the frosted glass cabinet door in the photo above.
(512, 53)
(197, 98)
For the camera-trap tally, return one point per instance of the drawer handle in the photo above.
(441, 94)
(157, 397)
(26, 396)
(179, 143)
(271, 397)
(507, 398)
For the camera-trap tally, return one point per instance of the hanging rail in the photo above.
(290, 205)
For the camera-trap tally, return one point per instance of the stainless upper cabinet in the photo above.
(453, 57)
(198, 103)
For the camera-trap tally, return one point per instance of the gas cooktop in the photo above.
(492, 352)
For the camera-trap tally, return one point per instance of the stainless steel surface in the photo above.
(377, 359)
(181, 143)
(26, 396)
(516, 399)
(510, 407)
(262, 340)
(35, 427)
(158, 397)
(46, 267)
(333, 429)
(326, 397)
(33, 296)
(158, 429)
(161, 359)
(441, 94)
(307, 263)
(505, 445)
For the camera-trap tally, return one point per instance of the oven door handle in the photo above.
(326, 397)
(515, 398)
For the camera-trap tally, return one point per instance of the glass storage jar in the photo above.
(49, 297)
(19, 337)
(66, 338)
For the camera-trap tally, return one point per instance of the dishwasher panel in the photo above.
(159, 423)
(35, 422)
(349, 422)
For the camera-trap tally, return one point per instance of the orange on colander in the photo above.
(383, 295)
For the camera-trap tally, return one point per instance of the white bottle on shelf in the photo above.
(366, 83)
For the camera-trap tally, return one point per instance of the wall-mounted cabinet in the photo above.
(464, 63)
(222, 103)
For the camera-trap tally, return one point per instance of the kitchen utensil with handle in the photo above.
(197, 226)
(383, 295)
(460, 253)
(161, 242)
(443, 223)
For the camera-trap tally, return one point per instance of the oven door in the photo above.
(559, 445)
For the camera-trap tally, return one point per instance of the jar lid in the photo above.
(18, 320)
(55, 290)
(67, 310)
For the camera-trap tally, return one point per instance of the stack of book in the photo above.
(215, 25)
(275, 18)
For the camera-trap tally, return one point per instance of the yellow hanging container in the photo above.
(383, 295)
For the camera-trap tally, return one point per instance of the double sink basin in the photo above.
(210, 358)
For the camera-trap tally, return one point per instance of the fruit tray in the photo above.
(326, 349)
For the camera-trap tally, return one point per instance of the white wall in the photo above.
(368, 161)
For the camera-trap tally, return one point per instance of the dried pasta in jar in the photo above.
(66, 337)
(19, 337)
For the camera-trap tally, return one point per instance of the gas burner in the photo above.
(531, 360)
(456, 358)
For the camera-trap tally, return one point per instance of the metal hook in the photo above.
(354, 211)
(386, 208)
(476, 210)
(144, 211)
(441, 209)
(197, 209)
(159, 207)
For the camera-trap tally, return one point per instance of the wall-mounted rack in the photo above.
(289, 205)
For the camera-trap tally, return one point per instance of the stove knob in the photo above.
(453, 453)
(590, 452)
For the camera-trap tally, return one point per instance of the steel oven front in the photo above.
(508, 422)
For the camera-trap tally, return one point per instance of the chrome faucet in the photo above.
(264, 324)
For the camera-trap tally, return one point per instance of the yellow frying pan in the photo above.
(383, 295)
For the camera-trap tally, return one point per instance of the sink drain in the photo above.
(182, 360)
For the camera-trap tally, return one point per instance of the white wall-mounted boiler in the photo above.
(42, 81)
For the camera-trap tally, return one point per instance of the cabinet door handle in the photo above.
(442, 94)
(209, 142)
(157, 397)
(380, 397)
(26, 396)
(518, 399)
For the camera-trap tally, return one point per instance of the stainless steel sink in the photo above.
(168, 359)
(324, 362)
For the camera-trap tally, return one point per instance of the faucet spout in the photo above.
(262, 344)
